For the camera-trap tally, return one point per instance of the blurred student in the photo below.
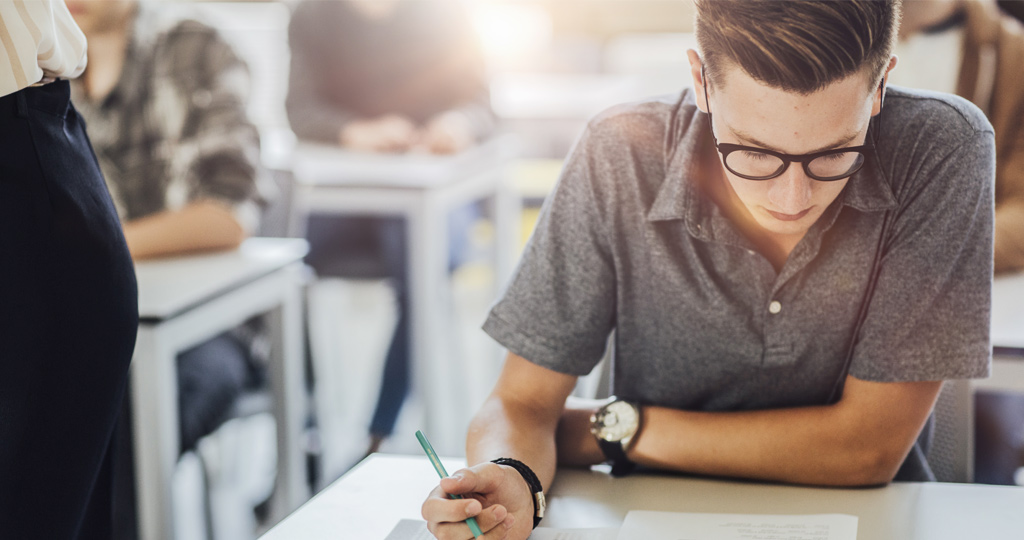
(68, 306)
(165, 104)
(989, 70)
(383, 76)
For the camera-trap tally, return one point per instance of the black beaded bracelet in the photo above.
(539, 503)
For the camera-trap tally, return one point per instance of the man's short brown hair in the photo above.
(797, 45)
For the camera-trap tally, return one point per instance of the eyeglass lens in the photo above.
(762, 165)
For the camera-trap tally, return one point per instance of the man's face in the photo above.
(750, 113)
(100, 16)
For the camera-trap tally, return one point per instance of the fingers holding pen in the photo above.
(446, 517)
(485, 479)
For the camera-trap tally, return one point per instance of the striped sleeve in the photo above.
(38, 39)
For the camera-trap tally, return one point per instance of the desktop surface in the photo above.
(367, 502)
(1008, 312)
(171, 285)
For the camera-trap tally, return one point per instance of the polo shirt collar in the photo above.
(680, 198)
(870, 190)
(677, 191)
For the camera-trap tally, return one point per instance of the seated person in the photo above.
(384, 76)
(791, 270)
(164, 101)
(990, 47)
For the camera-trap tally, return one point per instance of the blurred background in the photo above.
(378, 101)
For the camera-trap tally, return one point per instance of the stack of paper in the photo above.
(641, 525)
(679, 526)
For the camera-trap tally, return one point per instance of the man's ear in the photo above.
(876, 106)
(698, 79)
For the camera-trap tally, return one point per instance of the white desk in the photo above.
(184, 301)
(1008, 311)
(367, 502)
(423, 189)
(1007, 332)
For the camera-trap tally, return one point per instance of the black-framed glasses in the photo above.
(753, 163)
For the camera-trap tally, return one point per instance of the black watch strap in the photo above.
(613, 452)
(537, 490)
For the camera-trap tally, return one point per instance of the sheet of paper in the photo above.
(414, 529)
(543, 533)
(641, 525)
(410, 529)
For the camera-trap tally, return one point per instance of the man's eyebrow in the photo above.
(752, 141)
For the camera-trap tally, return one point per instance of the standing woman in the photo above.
(68, 304)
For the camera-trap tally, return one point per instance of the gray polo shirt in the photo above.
(629, 241)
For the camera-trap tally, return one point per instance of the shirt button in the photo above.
(774, 307)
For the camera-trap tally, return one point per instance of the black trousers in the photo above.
(68, 318)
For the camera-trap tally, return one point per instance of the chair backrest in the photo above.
(258, 32)
(951, 455)
(276, 215)
(598, 383)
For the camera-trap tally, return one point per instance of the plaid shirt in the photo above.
(174, 128)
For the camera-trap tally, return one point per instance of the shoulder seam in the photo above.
(946, 104)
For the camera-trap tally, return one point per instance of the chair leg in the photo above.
(207, 499)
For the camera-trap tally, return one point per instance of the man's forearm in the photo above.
(1009, 237)
(502, 429)
(861, 440)
(199, 226)
(811, 445)
(787, 445)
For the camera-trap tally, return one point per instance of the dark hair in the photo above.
(798, 46)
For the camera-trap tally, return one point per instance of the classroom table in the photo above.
(1008, 311)
(186, 300)
(1007, 332)
(423, 189)
(366, 503)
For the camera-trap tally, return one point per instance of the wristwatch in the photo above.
(616, 425)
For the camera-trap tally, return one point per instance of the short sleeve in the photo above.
(929, 316)
(559, 307)
(219, 145)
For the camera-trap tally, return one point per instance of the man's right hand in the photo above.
(496, 495)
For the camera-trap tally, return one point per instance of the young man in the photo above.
(791, 270)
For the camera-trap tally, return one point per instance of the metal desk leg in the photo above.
(155, 414)
(434, 380)
(287, 368)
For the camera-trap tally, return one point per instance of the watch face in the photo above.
(617, 421)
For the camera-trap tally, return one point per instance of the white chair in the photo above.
(951, 455)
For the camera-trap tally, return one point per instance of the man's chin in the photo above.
(785, 228)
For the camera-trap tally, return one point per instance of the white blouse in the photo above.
(38, 40)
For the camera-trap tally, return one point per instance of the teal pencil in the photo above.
(432, 456)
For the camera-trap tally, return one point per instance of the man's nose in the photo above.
(791, 192)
